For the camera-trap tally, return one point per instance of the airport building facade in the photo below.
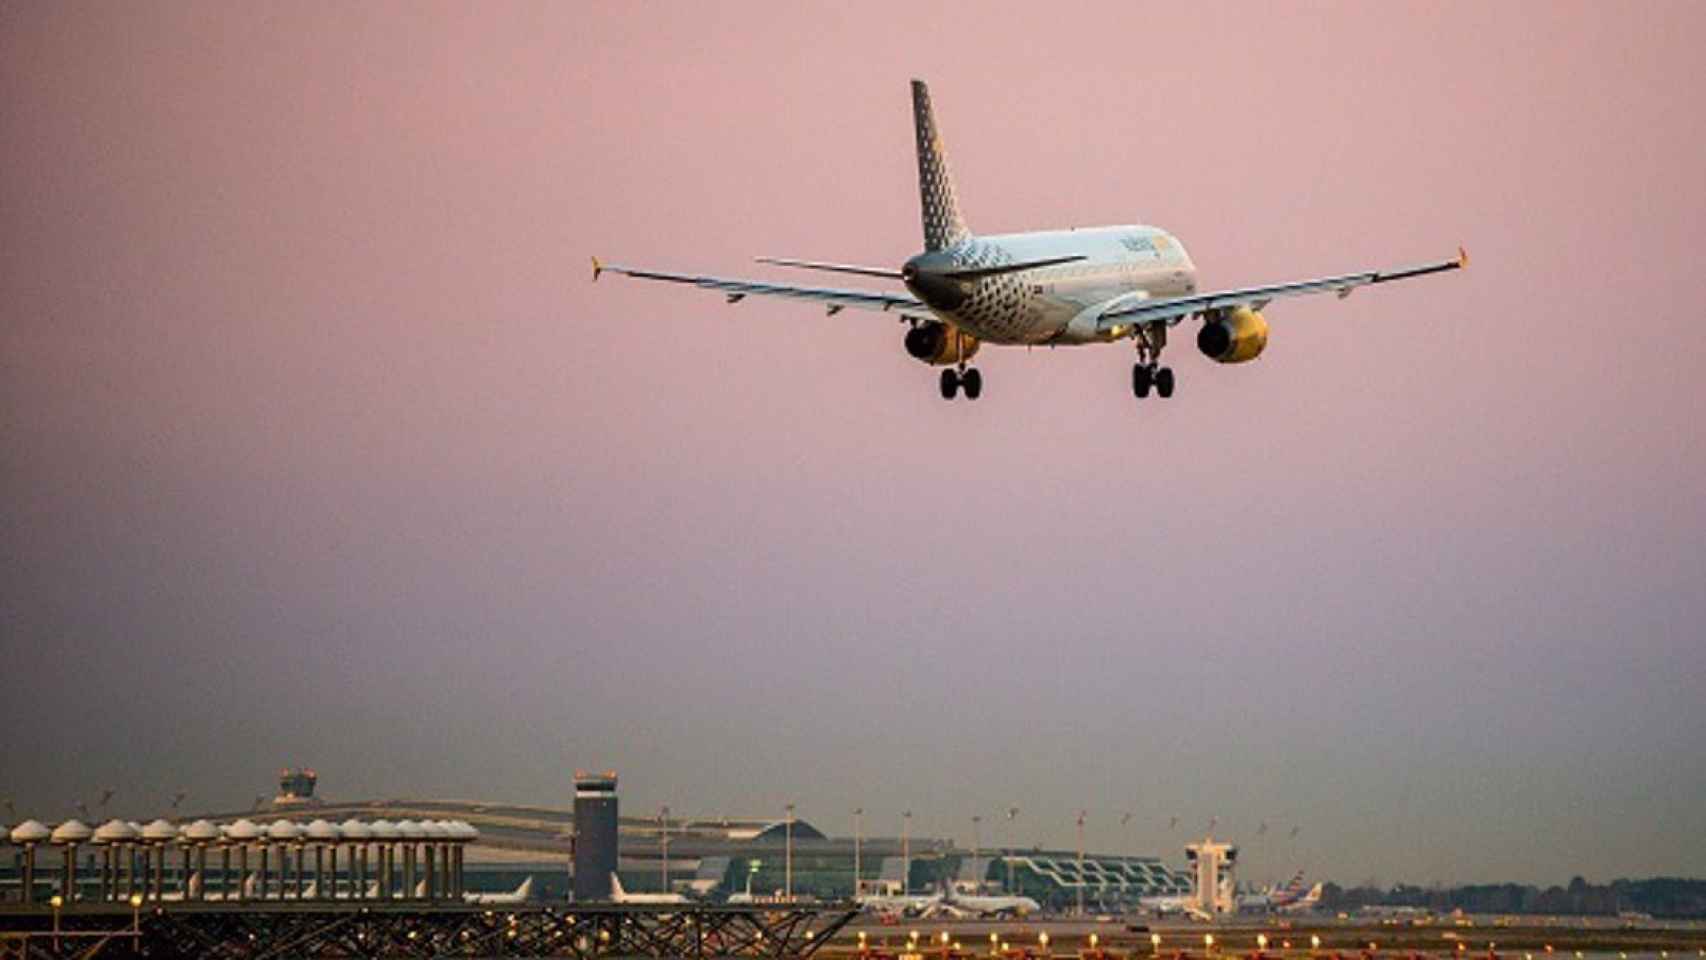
(716, 857)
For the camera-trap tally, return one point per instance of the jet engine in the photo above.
(940, 344)
(1234, 336)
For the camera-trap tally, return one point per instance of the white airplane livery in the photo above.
(1048, 288)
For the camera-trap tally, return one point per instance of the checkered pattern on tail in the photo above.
(943, 227)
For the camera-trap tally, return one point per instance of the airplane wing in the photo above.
(1172, 310)
(738, 290)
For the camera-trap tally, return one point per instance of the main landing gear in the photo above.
(967, 379)
(1147, 373)
(1145, 376)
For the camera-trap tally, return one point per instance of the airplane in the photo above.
(520, 894)
(1273, 897)
(619, 895)
(909, 906)
(1305, 903)
(1184, 903)
(1051, 288)
(983, 906)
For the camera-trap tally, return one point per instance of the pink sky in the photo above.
(318, 444)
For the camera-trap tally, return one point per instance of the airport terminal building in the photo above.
(715, 857)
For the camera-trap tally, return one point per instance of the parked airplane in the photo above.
(1049, 288)
(520, 894)
(1179, 904)
(982, 906)
(909, 906)
(620, 895)
(1305, 903)
(1273, 897)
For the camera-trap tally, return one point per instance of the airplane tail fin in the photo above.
(616, 891)
(525, 891)
(942, 224)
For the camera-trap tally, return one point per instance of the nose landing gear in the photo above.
(1147, 373)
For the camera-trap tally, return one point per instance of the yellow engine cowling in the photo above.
(940, 344)
(1236, 336)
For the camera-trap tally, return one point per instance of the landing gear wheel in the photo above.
(972, 381)
(950, 383)
(1164, 382)
(1141, 379)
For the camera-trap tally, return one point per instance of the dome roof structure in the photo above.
(160, 830)
(410, 829)
(353, 829)
(434, 829)
(384, 830)
(72, 831)
(201, 831)
(244, 829)
(115, 831)
(283, 830)
(321, 830)
(30, 831)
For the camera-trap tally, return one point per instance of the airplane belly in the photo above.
(996, 311)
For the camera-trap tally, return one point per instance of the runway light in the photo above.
(57, 901)
(136, 899)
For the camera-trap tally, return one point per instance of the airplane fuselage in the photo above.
(1056, 304)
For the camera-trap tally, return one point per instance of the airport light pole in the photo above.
(788, 856)
(858, 837)
(1012, 814)
(663, 842)
(1081, 815)
(976, 852)
(905, 853)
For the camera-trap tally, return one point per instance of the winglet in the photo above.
(1462, 257)
(597, 268)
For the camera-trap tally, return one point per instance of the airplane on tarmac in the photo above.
(1274, 897)
(980, 906)
(520, 894)
(898, 906)
(619, 895)
(1303, 904)
(1041, 289)
(1184, 904)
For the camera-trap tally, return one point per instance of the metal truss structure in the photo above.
(256, 931)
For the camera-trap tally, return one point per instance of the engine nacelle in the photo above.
(940, 344)
(1236, 336)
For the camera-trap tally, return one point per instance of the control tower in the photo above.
(295, 787)
(1212, 864)
(595, 834)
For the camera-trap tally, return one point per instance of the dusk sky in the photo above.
(318, 445)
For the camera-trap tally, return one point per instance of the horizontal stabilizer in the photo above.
(832, 267)
(978, 273)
